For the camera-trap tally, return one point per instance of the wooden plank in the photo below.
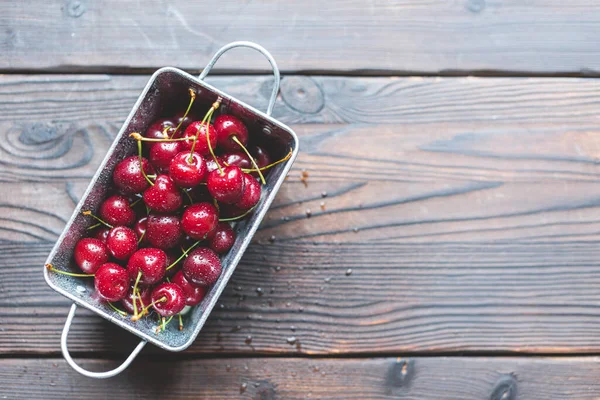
(285, 378)
(473, 231)
(437, 36)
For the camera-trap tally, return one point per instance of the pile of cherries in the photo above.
(159, 235)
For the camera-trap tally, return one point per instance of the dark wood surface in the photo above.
(416, 37)
(416, 378)
(455, 255)
(472, 227)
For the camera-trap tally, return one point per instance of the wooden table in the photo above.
(452, 148)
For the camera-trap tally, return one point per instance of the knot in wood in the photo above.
(505, 389)
(75, 8)
(38, 133)
(400, 374)
(475, 6)
(302, 94)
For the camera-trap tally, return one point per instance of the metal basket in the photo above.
(166, 86)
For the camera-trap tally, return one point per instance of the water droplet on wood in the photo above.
(292, 340)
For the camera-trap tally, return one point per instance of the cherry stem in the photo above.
(212, 153)
(287, 157)
(180, 322)
(141, 237)
(192, 98)
(206, 120)
(88, 212)
(50, 267)
(262, 178)
(163, 324)
(140, 138)
(185, 252)
(123, 313)
(135, 202)
(238, 217)
(188, 196)
(138, 316)
(89, 228)
(137, 280)
(140, 297)
(139, 146)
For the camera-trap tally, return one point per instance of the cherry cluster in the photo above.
(159, 236)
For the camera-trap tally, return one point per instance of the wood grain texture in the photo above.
(285, 378)
(408, 36)
(469, 225)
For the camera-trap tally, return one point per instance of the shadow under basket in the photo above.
(167, 89)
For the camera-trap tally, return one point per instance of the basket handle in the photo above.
(258, 48)
(90, 374)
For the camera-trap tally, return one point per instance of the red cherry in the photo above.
(262, 159)
(197, 128)
(163, 231)
(116, 211)
(222, 239)
(199, 220)
(211, 164)
(193, 294)
(185, 122)
(90, 254)
(228, 126)
(142, 291)
(230, 211)
(121, 242)
(185, 173)
(140, 228)
(111, 282)
(168, 299)
(128, 177)
(164, 196)
(251, 194)
(226, 187)
(202, 267)
(151, 262)
(236, 159)
(157, 129)
(171, 258)
(162, 153)
(261, 156)
(101, 233)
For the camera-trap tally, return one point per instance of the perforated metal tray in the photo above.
(167, 86)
